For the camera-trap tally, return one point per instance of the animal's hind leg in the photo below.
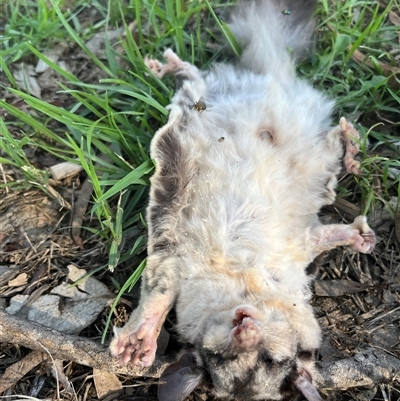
(181, 69)
(358, 236)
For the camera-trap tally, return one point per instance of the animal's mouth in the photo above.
(239, 316)
(245, 332)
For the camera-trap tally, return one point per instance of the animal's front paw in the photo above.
(135, 344)
(173, 65)
(154, 66)
(364, 239)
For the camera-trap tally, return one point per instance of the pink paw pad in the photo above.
(137, 347)
(364, 240)
(174, 64)
(154, 66)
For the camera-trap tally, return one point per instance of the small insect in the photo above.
(200, 105)
(286, 12)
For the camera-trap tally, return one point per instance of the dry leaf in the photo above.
(89, 285)
(386, 68)
(20, 280)
(394, 18)
(64, 66)
(337, 288)
(385, 337)
(97, 43)
(25, 78)
(65, 169)
(106, 384)
(17, 370)
(28, 223)
(53, 55)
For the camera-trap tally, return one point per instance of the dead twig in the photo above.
(81, 350)
(370, 367)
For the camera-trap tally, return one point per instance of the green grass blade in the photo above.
(132, 178)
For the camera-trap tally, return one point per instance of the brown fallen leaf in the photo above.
(106, 384)
(394, 18)
(385, 337)
(337, 288)
(19, 281)
(79, 211)
(63, 170)
(387, 69)
(19, 369)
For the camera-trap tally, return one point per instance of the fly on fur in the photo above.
(200, 105)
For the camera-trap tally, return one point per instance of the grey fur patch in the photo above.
(230, 379)
(168, 182)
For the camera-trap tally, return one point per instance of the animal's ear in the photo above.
(179, 379)
(304, 384)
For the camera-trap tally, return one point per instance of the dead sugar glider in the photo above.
(233, 223)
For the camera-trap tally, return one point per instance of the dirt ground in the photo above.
(356, 296)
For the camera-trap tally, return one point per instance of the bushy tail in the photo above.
(273, 33)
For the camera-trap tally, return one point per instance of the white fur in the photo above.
(233, 210)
